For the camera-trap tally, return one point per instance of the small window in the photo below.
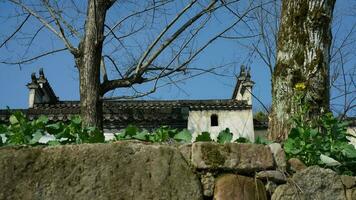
(214, 120)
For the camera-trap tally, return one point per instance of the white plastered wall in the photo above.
(240, 123)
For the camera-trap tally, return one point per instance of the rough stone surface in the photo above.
(312, 183)
(279, 156)
(243, 158)
(270, 188)
(348, 181)
(272, 175)
(236, 187)
(186, 151)
(296, 165)
(208, 182)
(351, 194)
(122, 170)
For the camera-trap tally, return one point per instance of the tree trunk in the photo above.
(88, 62)
(303, 56)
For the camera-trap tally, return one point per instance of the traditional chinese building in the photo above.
(195, 115)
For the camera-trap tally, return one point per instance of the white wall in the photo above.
(240, 123)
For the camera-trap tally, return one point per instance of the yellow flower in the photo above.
(299, 86)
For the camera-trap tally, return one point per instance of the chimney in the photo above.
(40, 91)
(244, 85)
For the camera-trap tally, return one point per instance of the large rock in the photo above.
(351, 194)
(121, 170)
(296, 165)
(312, 183)
(245, 158)
(236, 187)
(348, 181)
(272, 175)
(279, 156)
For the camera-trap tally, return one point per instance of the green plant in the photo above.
(21, 131)
(203, 137)
(261, 140)
(224, 136)
(321, 141)
(165, 134)
(162, 134)
(183, 136)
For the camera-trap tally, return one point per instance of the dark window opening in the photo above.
(214, 120)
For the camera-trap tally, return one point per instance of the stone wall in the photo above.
(133, 170)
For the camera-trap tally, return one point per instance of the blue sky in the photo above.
(63, 77)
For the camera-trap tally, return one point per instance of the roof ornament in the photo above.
(33, 77)
(42, 78)
(41, 73)
(242, 70)
(248, 75)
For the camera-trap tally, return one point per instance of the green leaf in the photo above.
(42, 119)
(94, 135)
(53, 143)
(13, 119)
(348, 150)
(183, 136)
(295, 132)
(119, 136)
(131, 130)
(289, 145)
(242, 140)
(328, 161)
(76, 120)
(36, 137)
(204, 137)
(261, 140)
(143, 135)
(313, 133)
(54, 129)
(161, 134)
(225, 136)
(3, 129)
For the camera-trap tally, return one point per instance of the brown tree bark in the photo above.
(88, 62)
(303, 50)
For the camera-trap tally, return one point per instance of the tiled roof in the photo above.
(118, 114)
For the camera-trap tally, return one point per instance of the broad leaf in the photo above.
(42, 119)
(204, 137)
(53, 143)
(141, 136)
(225, 136)
(131, 130)
(184, 136)
(36, 137)
(328, 161)
(13, 119)
(348, 150)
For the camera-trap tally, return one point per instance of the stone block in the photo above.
(122, 170)
(272, 175)
(236, 187)
(312, 183)
(279, 156)
(244, 158)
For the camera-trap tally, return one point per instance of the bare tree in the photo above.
(102, 33)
